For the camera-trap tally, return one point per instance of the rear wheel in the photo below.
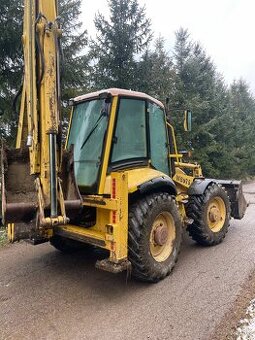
(66, 245)
(211, 215)
(154, 237)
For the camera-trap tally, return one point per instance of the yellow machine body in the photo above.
(41, 193)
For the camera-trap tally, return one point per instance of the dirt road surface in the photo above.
(47, 295)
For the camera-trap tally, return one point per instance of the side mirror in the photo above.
(187, 120)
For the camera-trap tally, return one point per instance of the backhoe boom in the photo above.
(38, 144)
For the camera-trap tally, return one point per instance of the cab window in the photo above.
(129, 140)
(158, 138)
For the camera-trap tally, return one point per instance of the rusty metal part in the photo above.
(161, 235)
(23, 199)
(113, 267)
(72, 205)
(69, 185)
(16, 212)
(48, 222)
(214, 215)
(19, 198)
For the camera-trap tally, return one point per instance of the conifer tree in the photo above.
(118, 43)
(11, 57)
(156, 75)
(10, 63)
(75, 78)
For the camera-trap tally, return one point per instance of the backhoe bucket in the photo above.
(21, 208)
(19, 197)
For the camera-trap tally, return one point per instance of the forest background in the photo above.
(125, 53)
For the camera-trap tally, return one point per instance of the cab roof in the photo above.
(117, 92)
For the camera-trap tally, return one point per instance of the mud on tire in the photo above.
(150, 262)
(211, 215)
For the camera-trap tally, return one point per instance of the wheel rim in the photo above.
(216, 214)
(162, 236)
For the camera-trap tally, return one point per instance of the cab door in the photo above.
(159, 149)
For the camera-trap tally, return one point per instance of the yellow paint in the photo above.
(180, 201)
(114, 234)
(120, 228)
(99, 201)
(216, 214)
(10, 232)
(39, 107)
(196, 168)
(29, 87)
(22, 126)
(108, 145)
(161, 252)
(39, 116)
(69, 126)
(85, 232)
(182, 179)
(176, 154)
(136, 177)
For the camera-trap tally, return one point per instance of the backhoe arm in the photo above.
(31, 188)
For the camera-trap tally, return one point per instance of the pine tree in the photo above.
(10, 63)
(75, 62)
(198, 88)
(11, 58)
(240, 129)
(156, 74)
(118, 42)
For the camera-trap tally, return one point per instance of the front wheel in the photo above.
(154, 237)
(211, 215)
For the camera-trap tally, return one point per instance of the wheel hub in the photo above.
(214, 215)
(161, 235)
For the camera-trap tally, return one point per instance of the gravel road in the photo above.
(48, 295)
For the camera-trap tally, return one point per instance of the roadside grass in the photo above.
(3, 236)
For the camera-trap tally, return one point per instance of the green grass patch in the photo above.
(3, 236)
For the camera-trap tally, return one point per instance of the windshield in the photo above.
(88, 126)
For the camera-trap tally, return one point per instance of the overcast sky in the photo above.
(225, 28)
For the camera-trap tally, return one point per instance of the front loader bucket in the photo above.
(236, 196)
(19, 198)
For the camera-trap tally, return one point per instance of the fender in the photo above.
(199, 186)
(157, 184)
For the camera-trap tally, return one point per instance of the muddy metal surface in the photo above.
(47, 295)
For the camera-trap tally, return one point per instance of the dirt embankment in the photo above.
(227, 328)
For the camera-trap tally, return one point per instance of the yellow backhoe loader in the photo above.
(119, 184)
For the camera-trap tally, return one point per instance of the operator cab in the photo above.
(135, 125)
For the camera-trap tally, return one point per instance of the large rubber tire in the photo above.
(66, 245)
(211, 215)
(143, 217)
